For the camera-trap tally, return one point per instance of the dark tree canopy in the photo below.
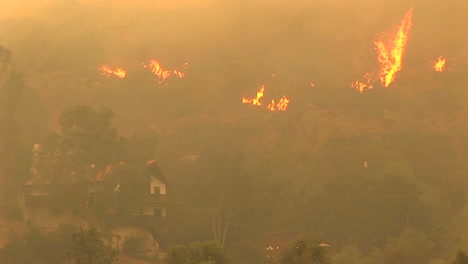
(87, 247)
(461, 258)
(305, 251)
(197, 253)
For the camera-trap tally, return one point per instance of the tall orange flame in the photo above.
(439, 64)
(256, 100)
(391, 57)
(119, 72)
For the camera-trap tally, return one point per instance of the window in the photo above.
(156, 190)
(158, 212)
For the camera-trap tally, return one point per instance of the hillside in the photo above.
(353, 157)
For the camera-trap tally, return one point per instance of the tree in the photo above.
(461, 258)
(11, 86)
(11, 91)
(305, 251)
(36, 246)
(209, 252)
(88, 138)
(223, 187)
(87, 247)
(85, 144)
(411, 246)
(366, 211)
(84, 147)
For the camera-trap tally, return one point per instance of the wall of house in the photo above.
(121, 233)
(46, 218)
(150, 210)
(155, 182)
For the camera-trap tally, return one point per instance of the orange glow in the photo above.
(439, 64)
(178, 73)
(271, 106)
(391, 58)
(158, 70)
(161, 73)
(119, 72)
(256, 100)
(282, 104)
(361, 86)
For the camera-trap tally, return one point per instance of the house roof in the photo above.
(100, 176)
(155, 170)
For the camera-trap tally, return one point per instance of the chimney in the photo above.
(35, 158)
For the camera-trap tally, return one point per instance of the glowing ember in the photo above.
(256, 100)
(391, 57)
(440, 64)
(178, 73)
(119, 72)
(271, 106)
(361, 86)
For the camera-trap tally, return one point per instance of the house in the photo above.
(44, 204)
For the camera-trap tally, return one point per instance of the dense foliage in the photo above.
(380, 176)
(197, 253)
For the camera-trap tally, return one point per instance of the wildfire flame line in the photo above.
(119, 72)
(282, 104)
(161, 73)
(391, 58)
(256, 100)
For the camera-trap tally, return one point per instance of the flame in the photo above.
(439, 64)
(119, 72)
(178, 73)
(256, 100)
(158, 70)
(271, 106)
(163, 74)
(391, 57)
(361, 86)
(281, 105)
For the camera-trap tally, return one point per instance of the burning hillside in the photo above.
(390, 56)
(280, 104)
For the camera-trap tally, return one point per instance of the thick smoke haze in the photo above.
(330, 153)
